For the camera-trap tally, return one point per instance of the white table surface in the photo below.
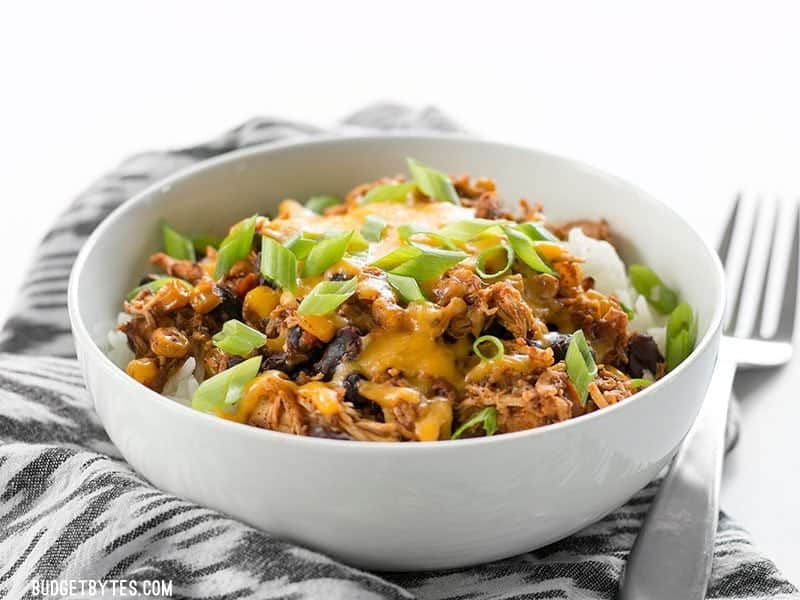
(691, 101)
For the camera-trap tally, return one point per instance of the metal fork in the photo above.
(673, 553)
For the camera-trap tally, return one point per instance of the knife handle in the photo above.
(673, 552)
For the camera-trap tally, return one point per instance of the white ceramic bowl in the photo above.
(395, 506)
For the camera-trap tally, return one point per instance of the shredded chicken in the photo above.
(381, 364)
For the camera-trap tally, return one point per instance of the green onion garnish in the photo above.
(156, 285)
(433, 183)
(326, 297)
(201, 241)
(537, 232)
(407, 287)
(525, 250)
(278, 264)
(328, 251)
(358, 243)
(638, 384)
(176, 245)
(490, 253)
(225, 388)
(318, 204)
(429, 264)
(468, 229)
(581, 367)
(392, 192)
(238, 338)
(442, 241)
(235, 247)
(407, 230)
(373, 227)
(301, 244)
(681, 335)
(649, 285)
(627, 310)
(487, 417)
(397, 257)
(498, 353)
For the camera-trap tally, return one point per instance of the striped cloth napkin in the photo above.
(73, 513)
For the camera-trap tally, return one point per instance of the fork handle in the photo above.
(674, 549)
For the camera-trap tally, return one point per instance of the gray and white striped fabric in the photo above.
(71, 509)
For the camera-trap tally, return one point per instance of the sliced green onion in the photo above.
(639, 383)
(537, 232)
(406, 231)
(581, 367)
(429, 264)
(649, 285)
(326, 297)
(201, 241)
(373, 227)
(498, 353)
(526, 251)
(468, 229)
(391, 192)
(681, 335)
(278, 264)
(235, 247)
(487, 417)
(225, 388)
(487, 255)
(176, 245)
(318, 204)
(301, 244)
(407, 287)
(156, 285)
(627, 310)
(238, 338)
(397, 257)
(357, 243)
(434, 237)
(433, 183)
(328, 251)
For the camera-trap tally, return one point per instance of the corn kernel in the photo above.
(203, 299)
(259, 302)
(169, 342)
(172, 296)
(320, 326)
(144, 370)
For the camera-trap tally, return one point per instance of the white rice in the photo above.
(180, 387)
(603, 264)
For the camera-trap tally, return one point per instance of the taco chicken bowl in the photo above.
(408, 363)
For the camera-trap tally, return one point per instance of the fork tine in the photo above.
(789, 305)
(737, 251)
(727, 234)
(751, 296)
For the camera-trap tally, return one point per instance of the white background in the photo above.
(690, 100)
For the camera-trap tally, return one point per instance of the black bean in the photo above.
(643, 354)
(234, 360)
(345, 345)
(498, 331)
(231, 305)
(558, 342)
(339, 276)
(367, 407)
(299, 341)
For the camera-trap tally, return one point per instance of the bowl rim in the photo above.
(81, 332)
